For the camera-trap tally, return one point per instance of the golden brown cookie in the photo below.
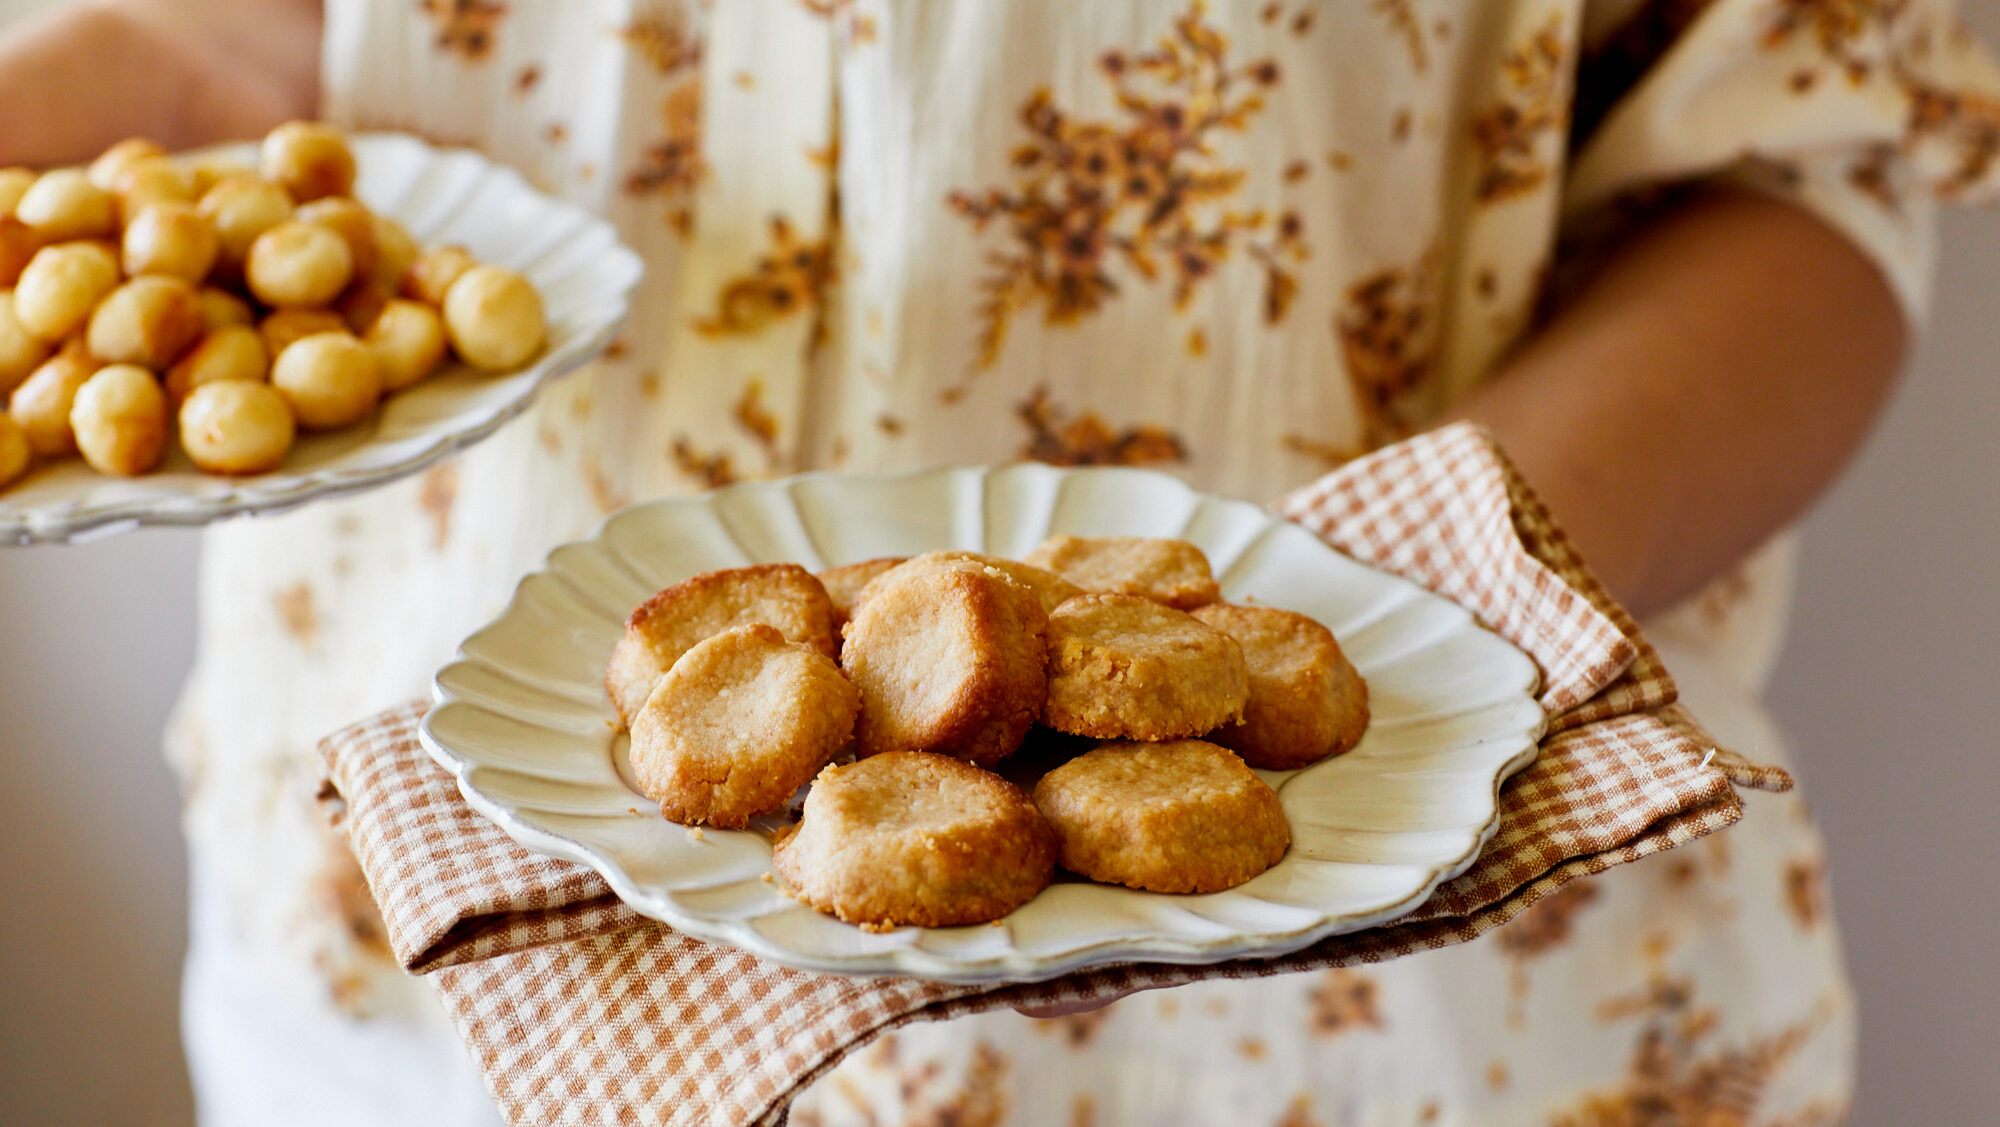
(667, 625)
(845, 583)
(1173, 572)
(911, 838)
(741, 721)
(1182, 816)
(1126, 667)
(1049, 588)
(1306, 700)
(948, 660)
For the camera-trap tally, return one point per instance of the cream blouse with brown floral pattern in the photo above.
(1238, 241)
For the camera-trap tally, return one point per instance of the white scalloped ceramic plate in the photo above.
(523, 722)
(443, 196)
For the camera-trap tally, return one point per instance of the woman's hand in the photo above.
(181, 72)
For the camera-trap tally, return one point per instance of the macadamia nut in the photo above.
(329, 379)
(61, 285)
(236, 427)
(63, 204)
(148, 321)
(20, 350)
(120, 420)
(309, 159)
(104, 171)
(408, 338)
(298, 264)
(494, 318)
(169, 238)
(41, 404)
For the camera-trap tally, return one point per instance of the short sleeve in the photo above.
(1866, 112)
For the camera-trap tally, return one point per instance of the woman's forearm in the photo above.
(182, 72)
(1700, 391)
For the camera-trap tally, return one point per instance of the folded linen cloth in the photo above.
(578, 1010)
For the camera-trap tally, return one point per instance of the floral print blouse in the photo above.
(1239, 241)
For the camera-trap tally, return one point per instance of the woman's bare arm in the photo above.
(1700, 391)
(1694, 396)
(182, 72)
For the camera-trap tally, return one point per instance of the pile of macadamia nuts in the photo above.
(241, 304)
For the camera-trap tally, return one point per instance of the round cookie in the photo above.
(913, 838)
(667, 625)
(741, 721)
(845, 583)
(947, 659)
(1181, 816)
(1049, 588)
(1306, 700)
(1173, 572)
(1126, 667)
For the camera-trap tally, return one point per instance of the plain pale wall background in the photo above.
(1888, 688)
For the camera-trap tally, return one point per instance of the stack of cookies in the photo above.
(1145, 698)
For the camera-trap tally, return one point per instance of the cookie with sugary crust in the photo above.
(667, 625)
(1049, 588)
(947, 659)
(1180, 816)
(845, 583)
(1173, 572)
(1306, 700)
(916, 839)
(1126, 667)
(742, 720)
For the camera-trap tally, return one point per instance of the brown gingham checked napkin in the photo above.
(580, 1011)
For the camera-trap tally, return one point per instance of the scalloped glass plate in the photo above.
(443, 196)
(523, 722)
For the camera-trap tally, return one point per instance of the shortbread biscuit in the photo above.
(845, 583)
(912, 838)
(1182, 816)
(667, 625)
(1306, 700)
(741, 721)
(1173, 572)
(948, 660)
(1126, 667)
(1049, 588)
